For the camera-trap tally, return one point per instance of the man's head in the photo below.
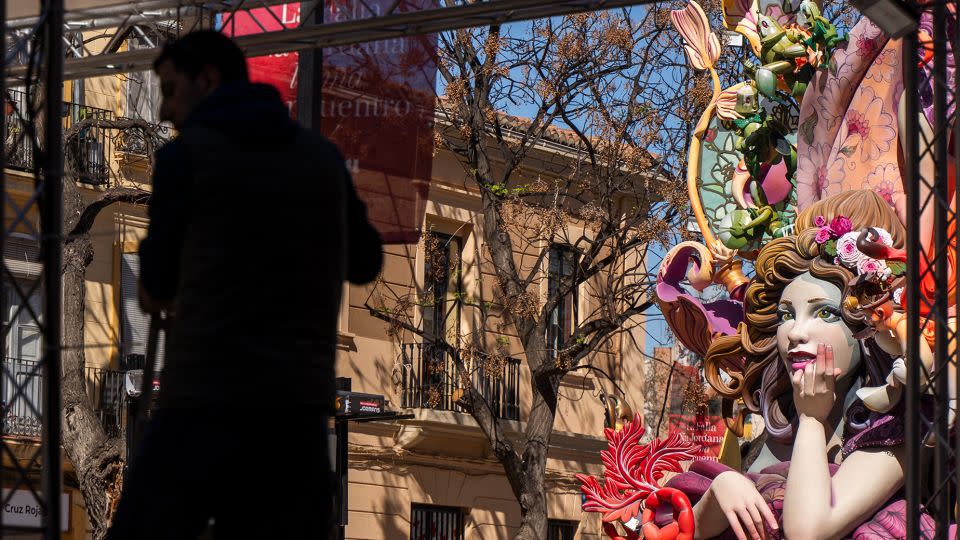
(192, 67)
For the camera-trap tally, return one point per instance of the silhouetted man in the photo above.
(254, 225)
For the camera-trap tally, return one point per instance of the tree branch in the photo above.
(111, 196)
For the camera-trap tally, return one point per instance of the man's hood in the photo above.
(244, 112)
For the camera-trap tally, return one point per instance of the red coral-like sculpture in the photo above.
(632, 474)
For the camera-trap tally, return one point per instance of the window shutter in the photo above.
(135, 323)
(21, 254)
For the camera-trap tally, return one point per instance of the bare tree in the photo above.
(97, 457)
(612, 88)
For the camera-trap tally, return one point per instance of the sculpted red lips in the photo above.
(800, 359)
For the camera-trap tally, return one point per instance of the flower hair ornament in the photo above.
(879, 267)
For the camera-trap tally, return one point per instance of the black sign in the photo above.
(357, 404)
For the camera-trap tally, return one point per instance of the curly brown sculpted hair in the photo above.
(750, 357)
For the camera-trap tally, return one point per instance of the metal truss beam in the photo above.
(931, 447)
(148, 12)
(374, 28)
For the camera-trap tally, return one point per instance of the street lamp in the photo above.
(894, 17)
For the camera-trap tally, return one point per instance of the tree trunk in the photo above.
(533, 466)
(97, 459)
(533, 473)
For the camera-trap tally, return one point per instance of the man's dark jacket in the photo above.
(254, 225)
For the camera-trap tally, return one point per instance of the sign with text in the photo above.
(377, 104)
(357, 404)
(23, 510)
(696, 418)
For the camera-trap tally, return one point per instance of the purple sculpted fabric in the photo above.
(888, 523)
(884, 431)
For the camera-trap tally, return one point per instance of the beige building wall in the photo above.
(441, 457)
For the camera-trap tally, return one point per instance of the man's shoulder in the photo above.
(173, 150)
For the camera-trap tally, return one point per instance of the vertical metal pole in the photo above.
(941, 504)
(310, 70)
(956, 271)
(3, 217)
(343, 466)
(51, 216)
(911, 172)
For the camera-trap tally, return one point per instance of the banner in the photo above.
(697, 419)
(377, 103)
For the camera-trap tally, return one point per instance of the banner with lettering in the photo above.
(377, 104)
(693, 414)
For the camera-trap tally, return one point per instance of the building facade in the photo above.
(429, 475)
(432, 475)
(99, 159)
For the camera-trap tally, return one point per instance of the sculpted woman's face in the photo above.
(809, 312)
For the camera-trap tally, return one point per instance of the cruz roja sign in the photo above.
(21, 509)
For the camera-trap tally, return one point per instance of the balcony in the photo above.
(19, 419)
(86, 156)
(429, 381)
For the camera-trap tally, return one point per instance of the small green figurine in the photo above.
(823, 34)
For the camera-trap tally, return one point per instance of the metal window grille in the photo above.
(558, 529)
(429, 381)
(435, 523)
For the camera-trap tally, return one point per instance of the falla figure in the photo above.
(813, 339)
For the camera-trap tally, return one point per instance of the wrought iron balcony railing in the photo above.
(86, 155)
(21, 398)
(430, 381)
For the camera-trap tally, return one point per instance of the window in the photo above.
(558, 529)
(441, 284)
(143, 87)
(441, 315)
(563, 319)
(21, 389)
(435, 523)
(135, 324)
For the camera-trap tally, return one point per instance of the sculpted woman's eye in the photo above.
(828, 313)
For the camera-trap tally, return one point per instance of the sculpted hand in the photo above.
(814, 386)
(721, 252)
(743, 505)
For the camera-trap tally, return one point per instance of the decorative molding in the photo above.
(346, 342)
(429, 424)
(578, 381)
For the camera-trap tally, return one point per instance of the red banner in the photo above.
(697, 422)
(278, 70)
(377, 105)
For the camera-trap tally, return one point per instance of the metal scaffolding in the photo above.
(50, 45)
(931, 475)
(43, 49)
(399, 20)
